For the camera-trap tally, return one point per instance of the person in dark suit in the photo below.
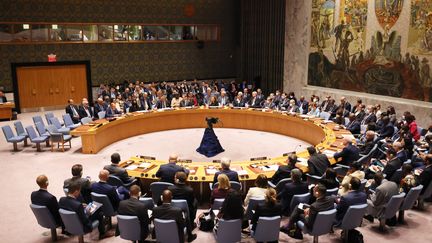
(270, 208)
(102, 187)
(162, 103)
(317, 163)
(387, 129)
(255, 102)
(425, 177)
(99, 106)
(349, 153)
(169, 212)
(295, 187)
(84, 183)
(71, 203)
(72, 110)
(133, 207)
(3, 98)
(345, 105)
(112, 111)
(329, 180)
(353, 197)
(42, 197)
(303, 105)
(369, 142)
(391, 163)
(238, 100)
(354, 125)
(308, 214)
(145, 102)
(369, 116)
(223, 99)
(225, 169)
(167, 171)
(84, 110)
(115, 170)
(232, 207)
(284, 171)
(182, 191)
(401, 154)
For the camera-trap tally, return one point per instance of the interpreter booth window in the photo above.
(134, 32)
(205, 32)
(6, 33)
(58, 33)
(120, 32)
(21, 32)
(156, 32)
(90, 33)
(74, 33)
(106, 33)
(39, 32)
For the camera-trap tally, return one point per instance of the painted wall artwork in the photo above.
(380, 47)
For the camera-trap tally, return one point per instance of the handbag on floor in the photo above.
(206, 221)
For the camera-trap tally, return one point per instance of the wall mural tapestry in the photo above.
(378, 46)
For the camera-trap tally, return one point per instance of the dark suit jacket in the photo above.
(318, 164)
(255, 103)
(106, 189)
(291, 189)
(349, 199)
(391, 167)
(386, 131)
(367, 147)
(232, 175)
(329, 183)
(169, 212)
(425, 178)
(133, 207)
(146, 101)
(284, 171)
(237, 103)
(121, 173)
(85, 188)
(182, 191)
(72, 204)
(322, 204)
(369, 118)
(348, 154)
(402, 155)
(82, 112)
(110, 112)
(354, 127)
(167, 172)
(44, 198)
(98, 108)
(159, 104)
(3, 99)
(265, 210)
(69, 110)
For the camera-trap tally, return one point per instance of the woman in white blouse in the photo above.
(259, 191)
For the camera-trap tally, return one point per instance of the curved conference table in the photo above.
(325, 136)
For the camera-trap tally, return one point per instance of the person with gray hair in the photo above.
(295, 187)
(349, 153)
(225, 169)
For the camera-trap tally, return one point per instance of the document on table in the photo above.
(329, 153)
(144, 165)
(131, 167)
(269, 168)
(242, 172)
(211, 171)
(302, 161)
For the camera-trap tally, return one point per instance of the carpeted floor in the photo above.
(19, 170)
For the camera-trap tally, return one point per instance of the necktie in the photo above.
(87, 111)
(74, 111)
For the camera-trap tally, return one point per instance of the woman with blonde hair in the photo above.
(270, 208)
(222, 189)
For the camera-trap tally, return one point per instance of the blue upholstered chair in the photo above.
(162, 227)
(332, 192)
(35, 138)
(129, 227)
(69, 123)
(236, 185)
(115, 181)
(181, 203)
(157, 188)
(48, 116)
(352, 219)
(322, 225)
(40, 127)
(148, 202)
(58, 137)
(297, 199)
(38, 119)
(253, 202)
(426, 194)
(86, 120)
(107, 207)
(20, 131)
(267, 229)
(45, 219)
(313, 179)
(11, 138)
(409, 201)
(280, 185)
(229, 231)
(101, 114)
(391, 209)
(73, 225)
(217, 203)
(60, 128)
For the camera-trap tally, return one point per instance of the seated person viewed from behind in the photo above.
(115, 195)
(167, 172)
(115, 170)
(317, 163)
(329, 180)
(354, 171)
(168, 212)
(353, 197)
(133, 207)
(77, 171)
(71, 203)
(258, 191)
(295, 187)
(308, 213)
(225, 169)
(182, 191)
(42, 197)
(349, 153)
(284, 171)
(270, 208)
(222, 188)
(232, 207)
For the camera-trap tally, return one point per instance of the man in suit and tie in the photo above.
(295, 187)
(115, 170)
(84, 110)
(225, 169)
(354, 197)
(325, 104)
(133, 207)
(317, 163)
(401, 153)
(162, 103)
(223, 99)
(84, 183)
(353, 125)
(345, 105)
(303, 105)
(100, 106)
(284, 171)
(369, 142)
(145, 102)
(112, 111)
(391, 163)
(255, 102)
(293, 108)
(238, 100)
(369, 116)
(349, 153)
(72, 110)
(102, 187)
(387, 128)
(167, 171)
(42, 197)
(168, 212)
(71, 203)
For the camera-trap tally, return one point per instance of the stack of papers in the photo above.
(131, 167)
(144, 165)
(242, 172)
(302, 161)
(269, 168)
(211, 171)
(329, 153)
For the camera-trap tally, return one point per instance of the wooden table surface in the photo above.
(6, 110)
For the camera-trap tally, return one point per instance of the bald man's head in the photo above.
(103, 175)
(173, 158)
(166, 196)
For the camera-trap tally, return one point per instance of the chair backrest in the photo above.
(411, 197)
(323, 222)
(347, 121)
(101, 114)
(428, 191)
(267, 229)
(181, 203)
(363, 184)
(157, 188)
(8, 133)
(253, 202)
(43, 216)
(114, 181)
(129, 227)
(236, 185)
(67, 120)
(107, 208)
(19, 129)
(300, 198)
(40, 127)
(54, 121)
(162, 227)
(148, 202)
(229, 231)
(71, 222)
(217, 203)
(354, 216)
(281, 184)
(86, 120)
(341, 170)
(38, 119)
(48, 117)
(31, 133)
(332, 192)
(52, 130)
(393, 205)
(325, 115)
